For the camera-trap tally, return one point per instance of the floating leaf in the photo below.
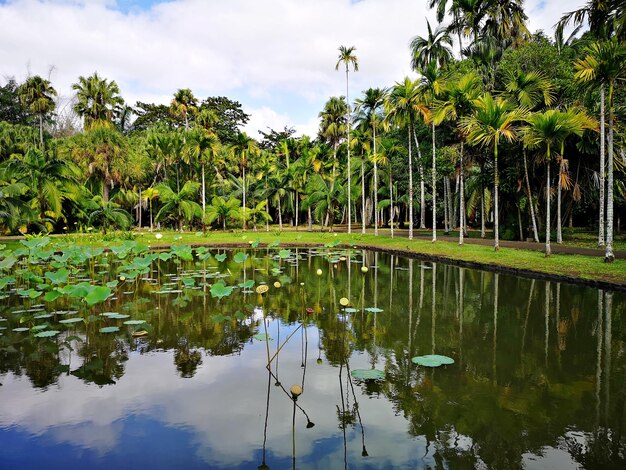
(109, 329)
(134, 322)
(262, 337)
(368, 374)
(221, 257)
(283, 254)
(21, 329)
(350, 310)
(432, 360)
(374, 310)
(47, 334)
(71, 320)
(219, 290)
(240, 257)
(39, 327)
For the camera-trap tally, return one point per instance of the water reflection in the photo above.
(539, 377)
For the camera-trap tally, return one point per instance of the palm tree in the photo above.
(530, 90)
(459, 100)
(403, 105)
(37, 95)
(432, 85)
(203, 146)
(245, 147)
(108, 214)
(347, 56)
(223, 210)
(97, 101)
(183, 104)
(149, 195)
(180, 206)
(370, 105)
(493, 120)
(605, 63)
(549, 130)
(436, 47)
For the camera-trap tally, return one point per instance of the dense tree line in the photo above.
(520, 133)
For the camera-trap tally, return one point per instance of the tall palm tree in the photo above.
(245, 147)
(97, 101)
(184, 104)
(37, 94)
(530, 90)
(459, 100)
(493, 121)
(605, 63)
(203, 145)
(404, 104)
(549, 130)
(432, 84)
(348, 57)
(370, 105)
(436, 47)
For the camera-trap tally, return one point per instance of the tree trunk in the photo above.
(376, 215)
(267, 221)
(482, 211)
(348, 145)
(422, 184)
(496, 215)
(296, 215)
(548, 252)
(559, 233)
(609, 256)
(310, 219)
(203, 191)
(362, 196)
(434, 175)
(41, 130)
(391, 200)
(105, 191)
(602, 182)
(243, 205)
(151, 220)
(446, 209)
(280, 215)
(140, 211)
(531, 203)
(410, 185)
(461, 198)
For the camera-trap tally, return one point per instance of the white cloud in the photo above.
(248, 50)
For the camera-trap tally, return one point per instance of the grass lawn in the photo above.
(570, 266)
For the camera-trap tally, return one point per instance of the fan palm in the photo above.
(179, 206)
(493, 121)
(348, 57)
(37, 95)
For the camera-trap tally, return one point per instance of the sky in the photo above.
(276, 57)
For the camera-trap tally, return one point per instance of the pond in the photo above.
(134, 359)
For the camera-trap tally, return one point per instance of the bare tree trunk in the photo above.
(348, 145)
(531, 203)
(280, 215)
(363, 197)
(609, 256)
(602, 182)
(434, 175)
(422, 184)
(376, 215)
(203, 191)
(139, 211)
(446, 209)
(559, 233)
(548, 208)
(310, 219)
(461, 197)
(391, 214)
(496, 214)
(243, 205)
(410, 185)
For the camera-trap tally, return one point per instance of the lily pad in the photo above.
(374, 310)
(71, 320)
(47, 334)
(21, 329)
(432, 360)
(368, 374)
(109, 329)
(134, 322)
(262, 337)
(219, 290)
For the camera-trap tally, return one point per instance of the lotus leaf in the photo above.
(30, 293)
(283, 254)
(350, 310)
(97, 294)
(219, 318)
(273, 244)
(39, 327)
(47, 334)
(432, 360)
(134, 322)
(374, 310)
(221, 257)
(368, 374)
(262, 337)
(71, 320)
(219, 290)
(109, 329)
(240, 257)
(58, 277)
(255, 243)
(20, 329)
(52, 295)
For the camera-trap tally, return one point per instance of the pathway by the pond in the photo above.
(555, 247)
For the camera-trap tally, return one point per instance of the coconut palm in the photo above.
(605, 63)
(493, 121)
(97, 101)
(404, 104)
(549, 130)
(179, 206)
(347, 56)
(184, 104)
(370, 106)
(436, 47)
(459, 99)
(37, 94)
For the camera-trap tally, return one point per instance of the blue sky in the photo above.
(277, 57)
